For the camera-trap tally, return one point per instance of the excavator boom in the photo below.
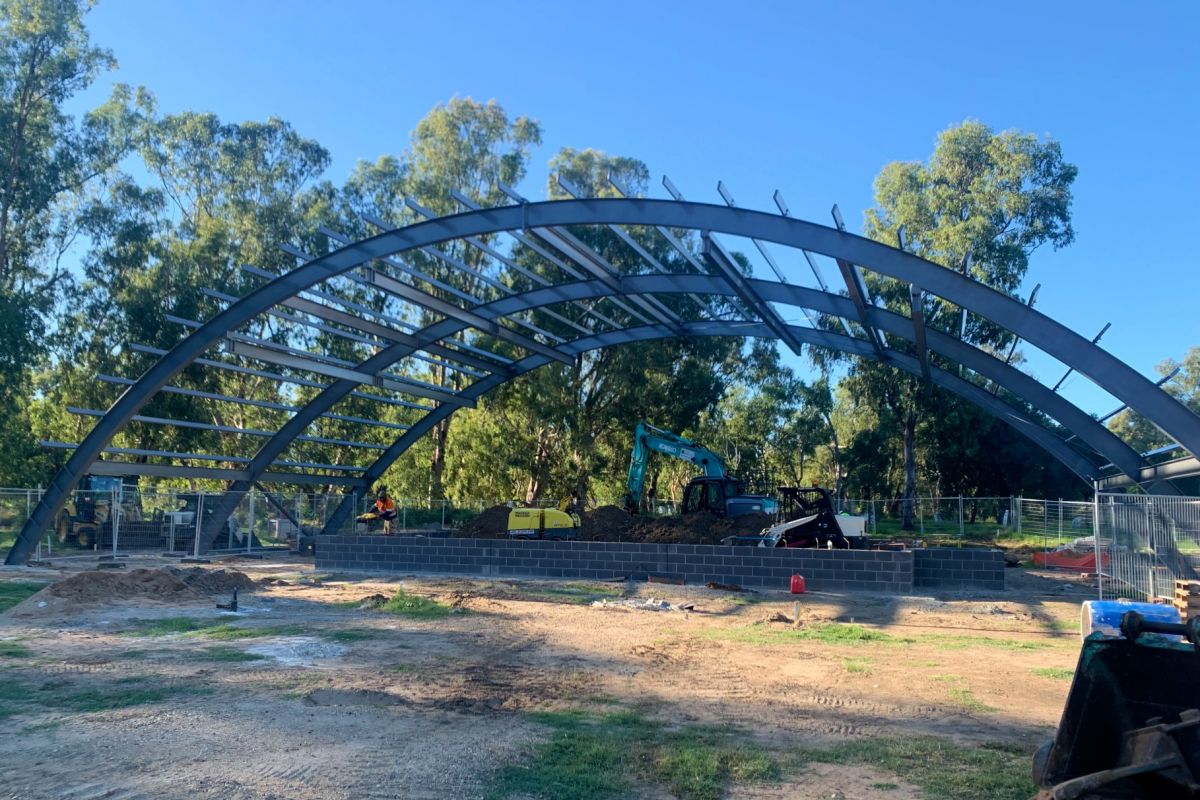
(648, 439)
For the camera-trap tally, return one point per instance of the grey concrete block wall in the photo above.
(947, 567)
(863, 570)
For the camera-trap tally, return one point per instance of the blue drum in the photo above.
(1104, 616)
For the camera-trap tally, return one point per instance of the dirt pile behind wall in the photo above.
(615, 524)
(700, 528)
(490, 524)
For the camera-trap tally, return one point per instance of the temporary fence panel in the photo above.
(1144, 543)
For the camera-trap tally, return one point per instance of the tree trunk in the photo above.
(582, 485)
(541, 466)
(908, 496)
(437, 462)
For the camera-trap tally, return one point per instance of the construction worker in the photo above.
(385, 507)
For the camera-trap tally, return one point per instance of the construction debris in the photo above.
(725, 587)
(647, 604)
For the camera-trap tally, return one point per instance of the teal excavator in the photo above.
(716, 491)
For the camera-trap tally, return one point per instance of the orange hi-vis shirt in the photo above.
(385, 504)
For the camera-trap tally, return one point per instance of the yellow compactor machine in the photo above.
(544, 523)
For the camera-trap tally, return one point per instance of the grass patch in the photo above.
(403, 668)
(209, 629)
(581, 593)
(227, 654)
(859, 666)
(943, 770)
(849, 633)
(744, 600)
(14, 650)
(1056, 673)
(16, 698)
(593, 757)
(967, 701)
(93, 700)
(415, 606)
(887, 787)
(13, 592)
(232, 632)
(949, 642)
(167, 626)
(826, 633)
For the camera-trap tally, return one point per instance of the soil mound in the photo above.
(613, 523)
(214, 581)
(701, 528)
(490, 524)
(607, 524)
(102, 587)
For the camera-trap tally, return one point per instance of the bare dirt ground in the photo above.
(303, 693)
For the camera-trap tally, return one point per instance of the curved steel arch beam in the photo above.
(1087, 471)
(1109, 372)
(1017, 382)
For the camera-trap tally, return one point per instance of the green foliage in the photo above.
(14, 650)
(13, 592)
(943, 770)
(413, 605)
(217, 195)
(1138, 431)
(834, 633)
(592, 757)
(982, 205)
(225, 654)
(1054, 673)
(348, 635)
(209, 629)
(17, 697)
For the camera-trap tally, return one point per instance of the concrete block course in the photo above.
(899, 571)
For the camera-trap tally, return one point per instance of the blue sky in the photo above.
(808, 98)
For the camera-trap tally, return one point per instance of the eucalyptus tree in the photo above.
(983, 203)
(48, 162)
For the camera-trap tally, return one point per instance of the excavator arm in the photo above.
(648, 439)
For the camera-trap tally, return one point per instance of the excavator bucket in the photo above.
(1131, 724)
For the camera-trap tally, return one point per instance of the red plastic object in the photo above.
(797, 584)
(1082, 562)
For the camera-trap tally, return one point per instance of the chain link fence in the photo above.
(114, 518)
(973, 518)
(1137, 544)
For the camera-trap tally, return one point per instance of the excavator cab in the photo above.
(723, 497)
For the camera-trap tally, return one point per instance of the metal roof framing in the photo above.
(595, 281)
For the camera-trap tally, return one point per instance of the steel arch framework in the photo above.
(1037, 329)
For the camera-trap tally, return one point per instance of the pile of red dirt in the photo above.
(491, 523)
(214, 581)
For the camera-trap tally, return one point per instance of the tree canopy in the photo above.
(122, 229)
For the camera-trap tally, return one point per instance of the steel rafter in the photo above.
(917, 304)
(728, 269)
(1039, 330)
(821, 338)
